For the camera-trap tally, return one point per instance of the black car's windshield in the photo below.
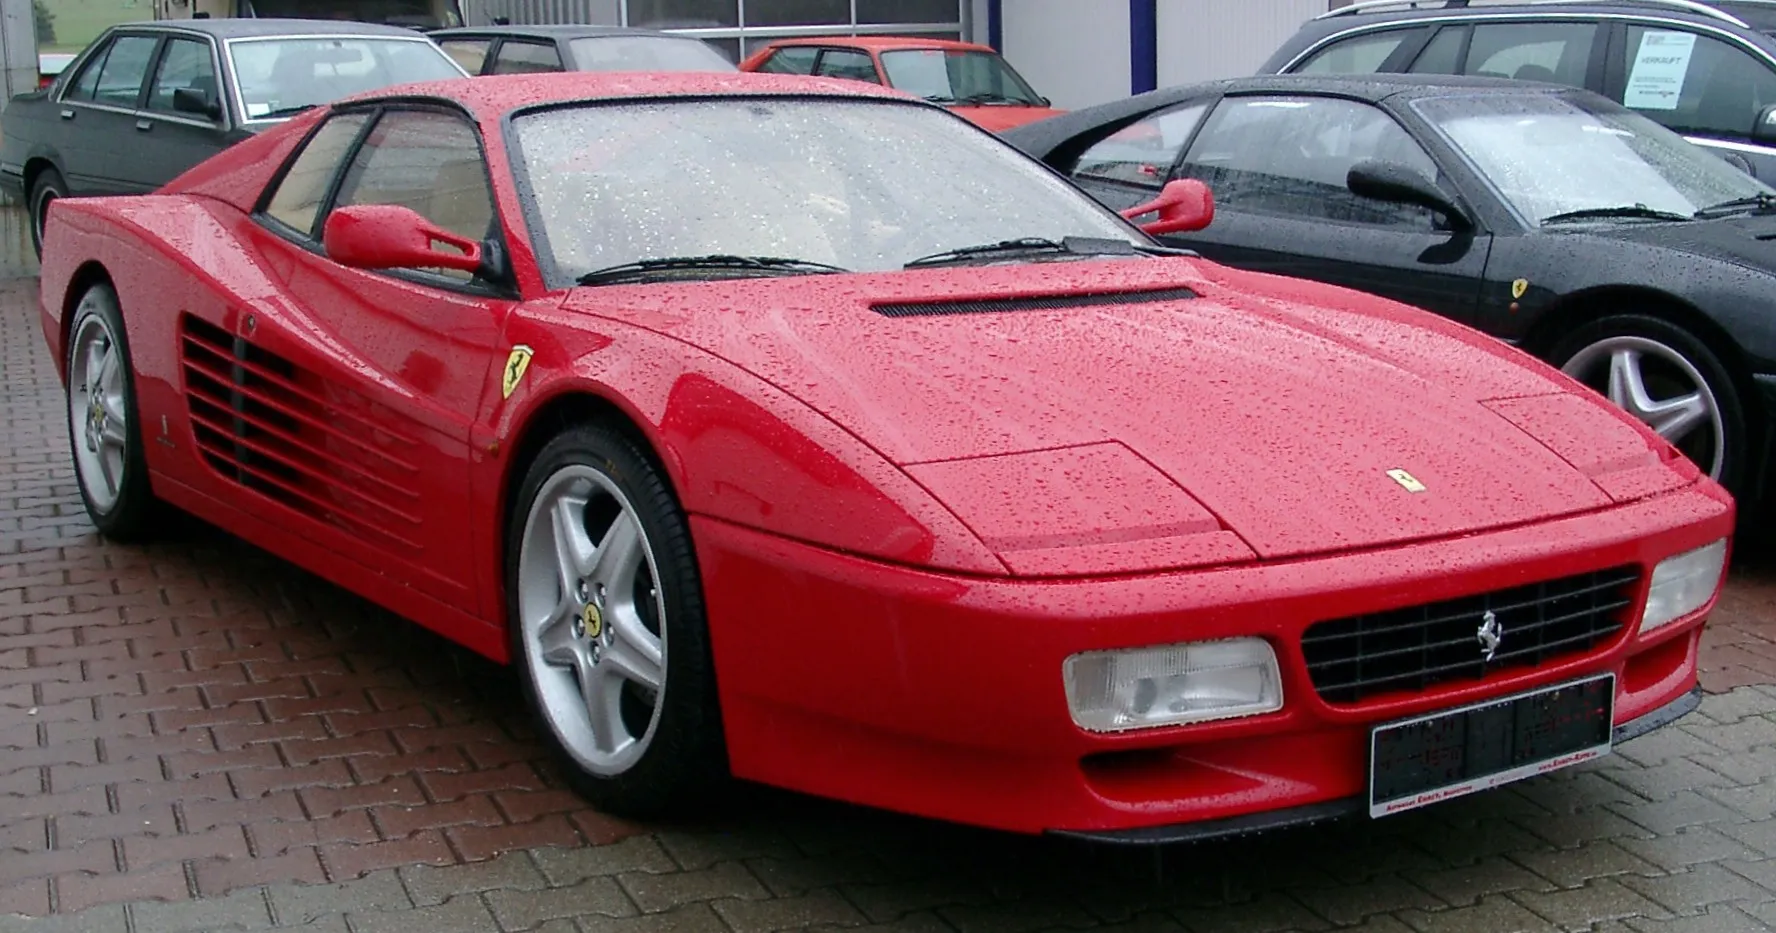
(1555, 156)
(856, 184)
(949, 75)
(647, 53)
(279, 76)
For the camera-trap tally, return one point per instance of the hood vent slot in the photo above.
(1036, 303)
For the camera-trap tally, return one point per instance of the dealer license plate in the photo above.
(1450, 753)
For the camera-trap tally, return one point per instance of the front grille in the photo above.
(1036, 303)
(1420, 647)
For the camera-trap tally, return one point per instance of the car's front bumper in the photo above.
(941, 695)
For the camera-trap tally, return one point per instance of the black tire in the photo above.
(134, 514)
(46, 187)
(1737, 439)
(684, 766)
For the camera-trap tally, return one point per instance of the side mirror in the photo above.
(1400, 184)
(1183, 204)
(196, 100)
(1764, 130)
(388, 236)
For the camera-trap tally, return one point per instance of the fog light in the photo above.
(1683, 584)
(1169, 685)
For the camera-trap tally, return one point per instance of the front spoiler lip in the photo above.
(1254, 823)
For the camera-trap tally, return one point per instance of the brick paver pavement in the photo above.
(195, 736)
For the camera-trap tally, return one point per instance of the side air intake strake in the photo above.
(1039, 303)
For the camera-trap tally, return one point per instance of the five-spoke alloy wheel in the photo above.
(102, 422)
(1670, 381)
(608, 627)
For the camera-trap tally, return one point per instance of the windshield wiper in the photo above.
(765, 265)
(1761, 202)
(1626, 210)
(284, 112)
(1028, 246)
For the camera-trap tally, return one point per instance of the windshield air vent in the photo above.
(1036, 303)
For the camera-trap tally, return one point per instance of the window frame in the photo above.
(492, 41)
(1170, 173)
(825, 50)
(1402, 56)
(782, 51)
(311, 240)
(222, 95)
(490, 65)
(100, 57)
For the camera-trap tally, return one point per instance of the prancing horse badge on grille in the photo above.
(1489, 635)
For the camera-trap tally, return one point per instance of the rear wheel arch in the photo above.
(35, 166)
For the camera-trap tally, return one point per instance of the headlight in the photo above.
(1169, 685)
(1682, 584)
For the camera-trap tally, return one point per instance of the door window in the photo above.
(1358, 55)
(516, 58)
(429, 162)
(840, 63)
(186, 63)
(1288, 156)
(300, 192)
(1694, 83)
(125, 69)
(471, 54)
(791, 60)
(1557, 53)
(87, 82)
(1142, 153)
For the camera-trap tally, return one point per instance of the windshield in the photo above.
(279, 76)
(862, 185)
(1551, 154)
(647, 53)
(419, 14)
(942, 75)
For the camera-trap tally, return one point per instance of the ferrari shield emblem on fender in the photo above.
(1406, 480)
(1518, 288)
(516, 364)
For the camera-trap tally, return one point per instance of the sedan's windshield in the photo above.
(1552, 156)
(280, 76)
(855, 184)
(945, 76)
(647, 53)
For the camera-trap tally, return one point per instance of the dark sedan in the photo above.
(504, 50)
(1546, 216)
(144, 102)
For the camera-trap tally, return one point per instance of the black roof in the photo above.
(553, 31)
(1371, 88)
(255, 27)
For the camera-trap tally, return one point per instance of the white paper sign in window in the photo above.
(1657, 80)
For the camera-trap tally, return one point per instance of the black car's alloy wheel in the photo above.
(1670, 380)
(45, 188)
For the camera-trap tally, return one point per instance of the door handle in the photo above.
(144, 125)
(67, 114)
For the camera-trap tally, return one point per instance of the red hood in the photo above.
(1267, 407)
(999, 119)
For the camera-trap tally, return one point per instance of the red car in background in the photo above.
(973, 80)
(795, 430)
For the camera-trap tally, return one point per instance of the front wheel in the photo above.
(608, 632)
(103, 422)
(1671, 381)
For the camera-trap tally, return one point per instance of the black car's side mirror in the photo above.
(1764, 130)
(196, 100)
(1400, 184)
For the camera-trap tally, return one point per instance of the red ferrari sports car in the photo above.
(801, 431)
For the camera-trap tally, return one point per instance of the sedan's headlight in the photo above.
(1169, 685)
(1682, 584)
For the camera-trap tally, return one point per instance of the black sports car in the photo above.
(1546, 216)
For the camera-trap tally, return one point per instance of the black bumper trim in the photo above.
(1253, 823)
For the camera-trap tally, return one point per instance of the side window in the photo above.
(840, 63)
(300, 192)
(791, 60)
(1142, 153)
(469, 53)
(1288, 156)
(1357, 55)
(186, 63)
(1557, 53)
(86, 84)
(430, 162)
(1441, 55)
(124, 71)
(516, 58)
(1694, 83)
